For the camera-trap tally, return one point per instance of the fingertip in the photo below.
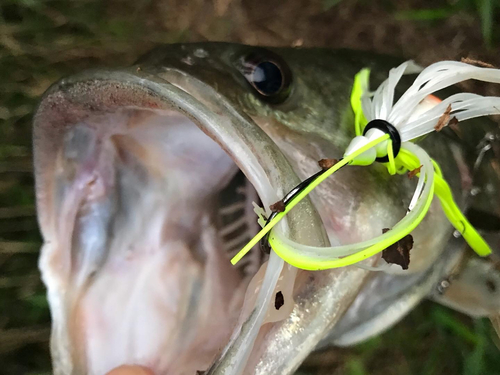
(130, 370)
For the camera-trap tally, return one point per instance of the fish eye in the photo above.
(269, 76)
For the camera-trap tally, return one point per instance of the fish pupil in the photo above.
(267, 78)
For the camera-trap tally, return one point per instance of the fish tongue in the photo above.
(82, 174)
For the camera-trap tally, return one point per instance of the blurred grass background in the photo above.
(42, 40)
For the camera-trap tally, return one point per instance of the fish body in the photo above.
(140, 204)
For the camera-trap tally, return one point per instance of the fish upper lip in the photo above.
(253, 151)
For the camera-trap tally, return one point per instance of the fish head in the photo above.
(145, 178)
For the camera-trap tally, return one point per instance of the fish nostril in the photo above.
(490, 284)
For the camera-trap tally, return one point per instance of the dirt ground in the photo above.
(40, 41)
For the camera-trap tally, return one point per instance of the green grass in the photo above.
(485, 10)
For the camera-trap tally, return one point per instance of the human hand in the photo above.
(130, 370)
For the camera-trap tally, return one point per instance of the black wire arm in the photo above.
(264, 242)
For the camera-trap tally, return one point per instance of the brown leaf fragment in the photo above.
(480, 63)
(453, 124)
(443, 120)
(279, 206)
(279, 300)
(414, 172)
(399, 252)
(327, 163)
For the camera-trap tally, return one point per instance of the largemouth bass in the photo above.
(145, 178)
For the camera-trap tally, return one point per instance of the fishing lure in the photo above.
(384, 131)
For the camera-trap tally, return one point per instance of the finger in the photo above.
(130, 370)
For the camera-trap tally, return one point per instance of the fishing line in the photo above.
(384, 131)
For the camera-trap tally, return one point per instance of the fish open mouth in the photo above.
(142, 200)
